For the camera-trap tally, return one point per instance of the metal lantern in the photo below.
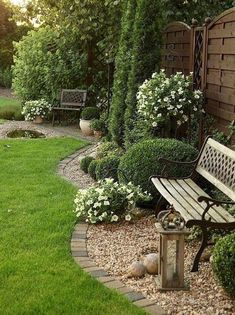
(171, 250)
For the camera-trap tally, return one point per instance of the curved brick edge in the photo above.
(80, 255)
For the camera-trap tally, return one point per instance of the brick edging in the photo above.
(81, 257)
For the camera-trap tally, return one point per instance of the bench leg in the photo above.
(158, 206)
(204, 244)
(53, 119)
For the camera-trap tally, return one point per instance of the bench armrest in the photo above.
(168, 161)
(210, 202)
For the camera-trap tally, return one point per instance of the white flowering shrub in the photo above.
(108, 202)
(31, 109)
(160, 99)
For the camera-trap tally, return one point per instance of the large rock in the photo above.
(151, 263)
(137, 269)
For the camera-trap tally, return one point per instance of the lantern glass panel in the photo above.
(171, 260)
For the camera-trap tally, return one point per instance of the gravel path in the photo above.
(115, 246)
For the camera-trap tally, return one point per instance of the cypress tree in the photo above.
(122, 63)
(146, 39)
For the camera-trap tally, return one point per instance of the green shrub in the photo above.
(11, 112)
(107, 168)
(141, 161)
(122, 63)
(89, 113)
(98, 125)
(46, 60)
(224, 262)
(6, 78)
(109, 148)
(85, 162)
(92, 168)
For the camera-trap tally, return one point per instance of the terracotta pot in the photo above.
(98, 134)
(38, 120)
(85, 127)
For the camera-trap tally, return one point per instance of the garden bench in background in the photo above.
(216, 163)
(70, 101)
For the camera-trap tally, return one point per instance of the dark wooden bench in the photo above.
(216, 163)
(70, 101)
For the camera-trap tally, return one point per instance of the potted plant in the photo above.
(88, 113)
(36, 110)
(99, 127)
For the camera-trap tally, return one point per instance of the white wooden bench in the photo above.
(216, 163)
(70, 101)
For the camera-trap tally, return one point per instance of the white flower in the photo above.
(128, 217)
(166, 99)
(106, 203)
(159, 115)
(114, 218)
(196, 96)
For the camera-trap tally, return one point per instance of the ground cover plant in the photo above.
(37, 272)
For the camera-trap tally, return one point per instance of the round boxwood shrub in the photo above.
(224, 263)
(89, 113)
(92, 168)
(107, 167)
(85, 162)
(141, 161)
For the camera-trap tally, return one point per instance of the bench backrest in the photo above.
(73, 98)
(217, 165)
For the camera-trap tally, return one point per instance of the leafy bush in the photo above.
(224, 262)
(98, 125)
(108, 202)
(46, 60)
(141, 161)
(85, 162)
(92, 168)
(31, 109)
(107, 167)
(6, 78)
(107, 148)
(89, 113)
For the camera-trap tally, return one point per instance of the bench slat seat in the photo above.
(216, 163)
(183, 194)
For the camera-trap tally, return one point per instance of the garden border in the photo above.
(80, 255)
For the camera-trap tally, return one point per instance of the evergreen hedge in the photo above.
(122, 63)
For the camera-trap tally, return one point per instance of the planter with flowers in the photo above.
(36, 110)
(108, 202)
(88, 113)
(164, 102)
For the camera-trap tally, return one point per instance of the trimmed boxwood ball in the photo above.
(224, 263)
(107, 167)
(89, 113)
(92, 168)
(85, 162)
(141, 161)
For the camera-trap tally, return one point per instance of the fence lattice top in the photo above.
(217, 164)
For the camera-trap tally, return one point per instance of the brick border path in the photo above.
(81, 257)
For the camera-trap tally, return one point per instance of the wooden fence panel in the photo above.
(176, 50)
(219, 69)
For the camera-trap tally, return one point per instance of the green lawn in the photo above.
(6, 101)
(37, 272)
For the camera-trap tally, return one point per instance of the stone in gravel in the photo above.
(136, 270)
(151, 263)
